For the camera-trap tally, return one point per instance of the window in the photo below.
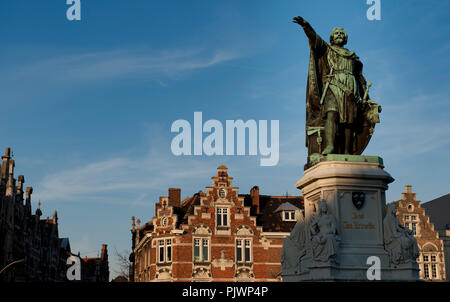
(243, 250)
(406, 217)
(201, 249)
(161, 250)
(425, 258)
(247, 250)
(288, 216)
(164, 250)
(413, 218)
(426, 272)
(410, 208)
(414, 228)
(222, 217)
(169, 250)
(433, 271)
(433, 258)
(407, 225)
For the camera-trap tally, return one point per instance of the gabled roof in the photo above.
(64, 243)
(439, 212)
(286, 206)
(268, 218)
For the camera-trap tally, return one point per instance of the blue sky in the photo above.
(87, 105)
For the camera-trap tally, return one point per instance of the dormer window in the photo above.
(287, 211)
(288, 215)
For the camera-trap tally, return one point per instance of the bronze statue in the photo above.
(337, 100)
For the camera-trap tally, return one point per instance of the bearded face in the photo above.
(338, 37)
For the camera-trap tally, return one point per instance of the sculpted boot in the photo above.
(348, 134)
(329, 137)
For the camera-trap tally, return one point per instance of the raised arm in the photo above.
(316, 42)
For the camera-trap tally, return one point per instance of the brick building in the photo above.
(95, 269)
(217, 235)
(25, 236)
(439, 212)
(431, 247)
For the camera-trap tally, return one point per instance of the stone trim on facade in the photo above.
(249, 220)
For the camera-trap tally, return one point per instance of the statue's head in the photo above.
(338, 36)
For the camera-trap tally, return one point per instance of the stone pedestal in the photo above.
(353, 188)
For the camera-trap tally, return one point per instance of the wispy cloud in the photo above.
(85, 67)
(132, 177)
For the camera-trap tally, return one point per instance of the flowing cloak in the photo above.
(317, 70)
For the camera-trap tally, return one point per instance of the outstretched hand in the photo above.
(300, 20)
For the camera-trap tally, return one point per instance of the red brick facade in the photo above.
(217, 235)
(431, 260)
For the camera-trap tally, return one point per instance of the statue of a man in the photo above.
(336, 88)
(324, 235)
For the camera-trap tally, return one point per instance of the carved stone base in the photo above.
(354, 191)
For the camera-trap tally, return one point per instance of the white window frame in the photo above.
(161, 251)
(164, 245)
(414, 228)
(291, 216)
(221, 212)
(202, 243)
(243, 244)
(433, 271)
(426, 271)
(431, 264)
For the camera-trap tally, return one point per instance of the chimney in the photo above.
(254, 193)
(174, 197)
(104, 253)
(138, 233)
(55, 217)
